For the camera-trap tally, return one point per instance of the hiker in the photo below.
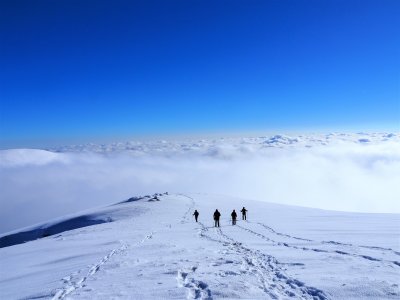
(217, 215)
(234, 215)
(196, 214)
(244, 210)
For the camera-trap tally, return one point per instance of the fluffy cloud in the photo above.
(330, 172)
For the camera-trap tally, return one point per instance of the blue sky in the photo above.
(94, 69)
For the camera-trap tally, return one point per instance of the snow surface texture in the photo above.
(338, 171)
(151, 248)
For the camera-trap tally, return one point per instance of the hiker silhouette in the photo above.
(234, 216)
(217, 215)
(244, 211)
(196, 214)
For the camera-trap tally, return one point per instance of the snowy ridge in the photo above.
(80, 220)
(153, 249)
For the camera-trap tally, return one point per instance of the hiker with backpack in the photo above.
(234, 216)
(244, 212)
(217, 215)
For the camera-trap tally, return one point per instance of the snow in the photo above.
(151, 248)
(70, 222)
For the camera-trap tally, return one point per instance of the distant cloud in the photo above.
(334, 171)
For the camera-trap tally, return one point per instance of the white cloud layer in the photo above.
(345, 172)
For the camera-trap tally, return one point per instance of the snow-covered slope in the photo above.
(149, 249)
(73, 221)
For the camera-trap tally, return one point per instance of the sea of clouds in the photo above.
(347, 172)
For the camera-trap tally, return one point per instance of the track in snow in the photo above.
(271, 279)
(314, 249)
(191, 206)
(327, 242)
(196, 289)
(72, 284)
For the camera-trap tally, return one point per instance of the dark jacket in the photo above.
(217, 214)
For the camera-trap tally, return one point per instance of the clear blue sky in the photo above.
(85, 69)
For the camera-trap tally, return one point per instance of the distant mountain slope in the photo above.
(19, 157)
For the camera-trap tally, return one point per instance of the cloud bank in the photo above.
(344, 172)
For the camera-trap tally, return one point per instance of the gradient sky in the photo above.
(84, 69)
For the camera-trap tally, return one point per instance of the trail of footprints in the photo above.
(74, 282)
(191, 206)
(271, 279)
(334, 251)
(196, 289)
(327, 242)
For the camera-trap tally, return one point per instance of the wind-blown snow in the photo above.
(152, 249)
(334, 171)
